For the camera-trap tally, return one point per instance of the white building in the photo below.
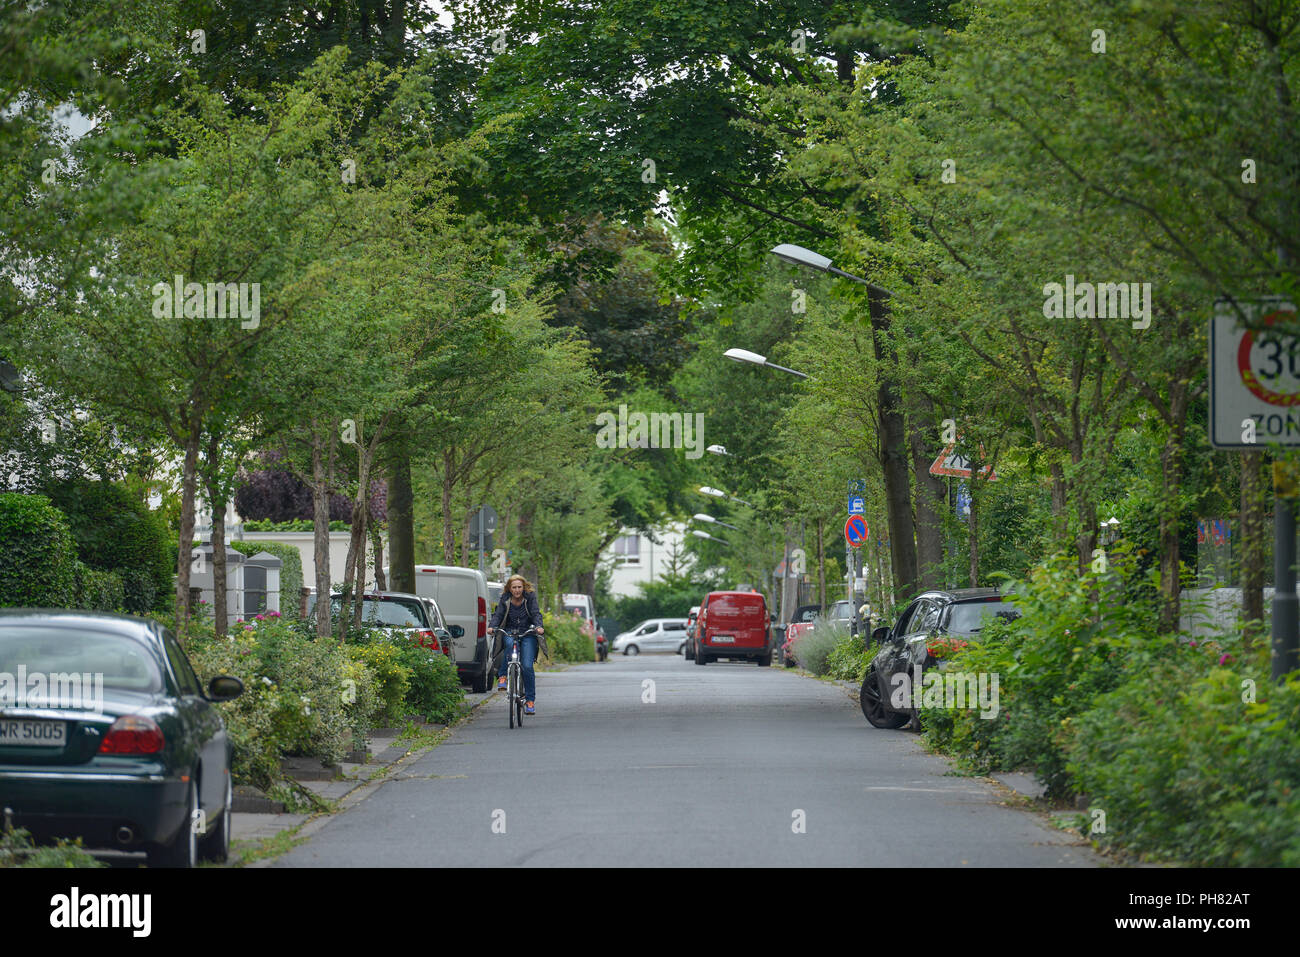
(636, 559)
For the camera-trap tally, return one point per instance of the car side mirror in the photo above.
(224, 688)
(879, 635)
(457, 631)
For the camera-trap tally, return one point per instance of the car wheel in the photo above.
(479, 683)
(764, 659)
(216, 846)
(681, 649)
(183, 851)
(700, 657)
(873, 707)
(631, 650)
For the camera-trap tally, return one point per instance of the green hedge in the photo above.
(38, 556)
(117, 532)
(290, 570)
(98, 590)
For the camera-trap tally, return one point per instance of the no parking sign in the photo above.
(855, 530)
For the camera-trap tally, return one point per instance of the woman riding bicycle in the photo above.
(516, 612)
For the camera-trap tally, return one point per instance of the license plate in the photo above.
(724, 639)
(32, 734)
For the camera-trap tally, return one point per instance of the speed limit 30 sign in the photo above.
(1254, 374)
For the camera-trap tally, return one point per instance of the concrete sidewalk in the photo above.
(353, 784)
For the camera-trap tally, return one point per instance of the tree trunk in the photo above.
(320, 500)
(1172, 473)
(821, 568)
(401, 525)
(377, 545)
(931, 494)
(360, 522)
(184, 553)
(448, 536)
(1254, 546)
(220, 618)
(893, 453)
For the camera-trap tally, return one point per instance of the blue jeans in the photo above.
(527, 655)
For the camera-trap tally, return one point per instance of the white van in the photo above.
(465, 600)
(582, 605)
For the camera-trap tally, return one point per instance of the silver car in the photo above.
(654, 634)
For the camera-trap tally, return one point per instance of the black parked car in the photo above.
(117, 742)
(932, 619)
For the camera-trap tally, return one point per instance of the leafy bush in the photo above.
(433, 686)
(1188, 768)
(115, 531)
(566, 641)
(295, 699)
(97, 590)
(848, 660)
(290, 570)
(812, 648)
(37, 554)
(391, 681)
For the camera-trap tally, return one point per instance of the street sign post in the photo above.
(1254, 375)
(483, 524)
(855, 530)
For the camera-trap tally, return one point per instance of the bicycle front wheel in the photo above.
(512, 692)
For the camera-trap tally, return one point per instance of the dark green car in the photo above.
(106, 734)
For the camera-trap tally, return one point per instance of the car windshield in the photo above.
(58, 654)
(807, 615)
(966, 618)
(386, 612)
(844, 612)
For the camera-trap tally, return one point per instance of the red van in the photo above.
(733, 624)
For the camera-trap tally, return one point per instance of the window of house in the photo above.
(627, 549)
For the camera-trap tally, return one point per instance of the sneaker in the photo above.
(501, 685)
(528, 708)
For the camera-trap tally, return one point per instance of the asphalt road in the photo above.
(719, 769)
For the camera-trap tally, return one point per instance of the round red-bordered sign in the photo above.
(1248, 377)
(855, 530)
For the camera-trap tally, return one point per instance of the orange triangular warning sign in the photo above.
(952, 462)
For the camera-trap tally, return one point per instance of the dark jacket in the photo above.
(530, 608)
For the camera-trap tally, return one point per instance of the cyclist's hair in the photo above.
(528, 586)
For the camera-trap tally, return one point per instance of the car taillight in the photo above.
(133, 734)
(446, 647)
(482, 618)
(428, 639)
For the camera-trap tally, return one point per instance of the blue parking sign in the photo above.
(857, 506)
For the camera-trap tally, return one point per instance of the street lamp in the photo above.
(798, 256)
(893, 442)
(719, 493)
(698, 534)
(1109, 531)
(701, 517)
(744, 355)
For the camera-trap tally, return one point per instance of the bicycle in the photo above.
(515, 679)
